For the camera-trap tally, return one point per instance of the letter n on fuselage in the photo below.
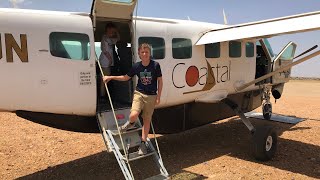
(12, 44)
(0, 47)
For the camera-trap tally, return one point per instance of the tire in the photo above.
(265, 142)
(267, 111)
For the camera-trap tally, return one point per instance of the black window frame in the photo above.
(58, 50)
(210, 50)
(251, 53)
(235, 44)
(181, 53)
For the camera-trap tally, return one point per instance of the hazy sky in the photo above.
(211, 11)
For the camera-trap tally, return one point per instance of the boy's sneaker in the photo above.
(142, 149)
(127, 125)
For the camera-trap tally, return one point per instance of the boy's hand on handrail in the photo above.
(106, 79)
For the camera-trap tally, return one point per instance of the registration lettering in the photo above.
(11, 45)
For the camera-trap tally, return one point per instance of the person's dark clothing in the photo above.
(148, 75)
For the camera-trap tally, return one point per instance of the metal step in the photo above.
(135, 156)
(110, 117)
(115, 132)
(158, 177)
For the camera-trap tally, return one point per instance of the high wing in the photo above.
(264, 29)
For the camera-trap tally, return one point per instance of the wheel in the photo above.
(264, 143)
(267, 111)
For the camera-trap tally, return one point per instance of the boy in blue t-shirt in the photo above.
(147, 93)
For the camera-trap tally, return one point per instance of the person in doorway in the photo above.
(147, 93)
(106, 59)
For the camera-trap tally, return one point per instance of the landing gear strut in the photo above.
(264, 139)
(266, 105)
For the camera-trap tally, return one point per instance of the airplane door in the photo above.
(284, 58)
(113, 9)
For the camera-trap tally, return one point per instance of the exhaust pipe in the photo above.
(277, 90)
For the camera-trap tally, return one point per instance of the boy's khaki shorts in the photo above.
(144, 103)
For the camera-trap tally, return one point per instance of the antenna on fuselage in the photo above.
(224, 17)
(14, 3)
(188, 18)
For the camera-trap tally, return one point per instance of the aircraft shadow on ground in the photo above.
(193, 147)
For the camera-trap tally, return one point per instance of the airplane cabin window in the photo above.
(212, 50)
(234, 49)
(69, 45)
(249, 49)
(157, 46)
(181, 48)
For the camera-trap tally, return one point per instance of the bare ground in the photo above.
(219, 150)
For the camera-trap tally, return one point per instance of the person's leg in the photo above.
(145, 128)
(137, 105)
(150, 101)
(133, 116)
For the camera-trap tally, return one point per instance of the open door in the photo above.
(284, 58)
(119, 13)
(113, 9)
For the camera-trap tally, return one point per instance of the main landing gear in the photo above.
(264, 139)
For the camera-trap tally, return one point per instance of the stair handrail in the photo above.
(158, 150)
(115, 118)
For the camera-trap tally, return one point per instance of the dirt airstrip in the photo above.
(220, 150)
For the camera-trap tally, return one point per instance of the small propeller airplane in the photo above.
(49, 69)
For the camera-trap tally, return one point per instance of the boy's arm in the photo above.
(117, 78)
(160, 85)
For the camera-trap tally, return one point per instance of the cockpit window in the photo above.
(288, 53)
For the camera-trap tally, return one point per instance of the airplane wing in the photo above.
(264, 29)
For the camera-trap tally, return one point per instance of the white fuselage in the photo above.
(46, 83)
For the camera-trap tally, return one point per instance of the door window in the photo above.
(72, 46)
(288, 53)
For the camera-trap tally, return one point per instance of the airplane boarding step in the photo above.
(123, 143)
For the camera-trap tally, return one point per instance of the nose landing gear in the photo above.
(266, 105)
(267, 111)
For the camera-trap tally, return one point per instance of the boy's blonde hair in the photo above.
(144, 45)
